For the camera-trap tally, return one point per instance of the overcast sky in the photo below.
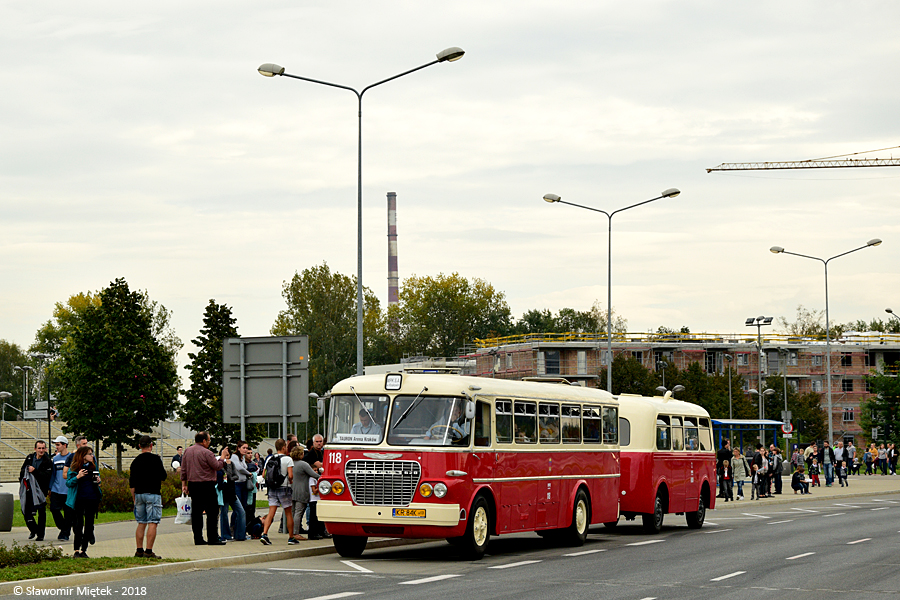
(137, 140)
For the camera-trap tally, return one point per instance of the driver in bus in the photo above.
(365, 425)
(456, 430)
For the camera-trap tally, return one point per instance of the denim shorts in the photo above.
(147, 508)
(280, 496)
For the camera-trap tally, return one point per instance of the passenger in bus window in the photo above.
(365, 425)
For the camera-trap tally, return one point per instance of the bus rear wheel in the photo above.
(577, 532)
(695, 519)
(350, 546)
(653, 522)
(473, 544)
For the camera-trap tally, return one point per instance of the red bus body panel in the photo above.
(682, 474)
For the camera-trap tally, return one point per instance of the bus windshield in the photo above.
(358, 419)
(428, 420)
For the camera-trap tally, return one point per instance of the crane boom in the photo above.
(808, 164)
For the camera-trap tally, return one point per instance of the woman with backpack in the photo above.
(741, 472)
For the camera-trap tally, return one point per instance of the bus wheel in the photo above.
(478, 531)
(695, 519)
(653, 522)
(577, 532)
(350, 546)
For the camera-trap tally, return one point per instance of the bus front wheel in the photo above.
(577, 532)
(350, 546)
(653, 522)
(478, 531)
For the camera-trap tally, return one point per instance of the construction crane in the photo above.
(831, 162)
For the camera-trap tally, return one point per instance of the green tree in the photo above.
(322, 305)
(203, 409)
(629, 376)
(437, 316)
(809, 408)
(116, 379)
(12, 356)
(882, 408)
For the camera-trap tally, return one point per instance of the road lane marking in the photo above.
(779, 522)
(516, 564)
(730, 575)
(800, 556)
(847, 505)
(583, 552)
(880, 500)
(356, 566)
(858, 541)
(880, 508)
(335, 596)
(426, 580)
(645, 543)
(757, 516)
(805, 510)
(718, 531)
(708, 523)
(833, 515)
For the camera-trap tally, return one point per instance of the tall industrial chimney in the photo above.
(393, 276)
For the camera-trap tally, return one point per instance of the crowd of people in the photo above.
(765, 468)
(69, 483)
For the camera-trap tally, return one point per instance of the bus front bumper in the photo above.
(431, 515)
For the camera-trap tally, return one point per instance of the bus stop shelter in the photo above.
(724, 429)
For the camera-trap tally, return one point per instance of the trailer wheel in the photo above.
(577, 532)
(695, 519)
(653, 522)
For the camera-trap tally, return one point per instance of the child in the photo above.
(842, 474)
(867, 458)
(726, 476)
(754, 483)
(854, 468)
(814, 473)
(798, 481)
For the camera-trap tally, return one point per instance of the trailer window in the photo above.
(526, 422)
(610, 425)
(548, 422)
(571, 424)
(591, 424)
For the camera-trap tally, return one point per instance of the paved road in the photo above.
(797, 549)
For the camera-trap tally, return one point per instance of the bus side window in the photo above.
(591, 424)
(525, 417)
(482, 424)
(691, 434)
(548, 423)
(571, 424)
(677, 441)
(610, 425)
(624, 431)
(705, 435)
(504, 421)
(663, 440)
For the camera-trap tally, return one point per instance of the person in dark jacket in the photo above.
(83, 481)
(827, 462)
(723, 454)
(41, 468)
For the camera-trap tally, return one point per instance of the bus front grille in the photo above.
(382, 482)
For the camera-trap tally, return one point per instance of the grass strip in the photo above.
(69, 565)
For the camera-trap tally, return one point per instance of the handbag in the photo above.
(251, 483)
(184, 510)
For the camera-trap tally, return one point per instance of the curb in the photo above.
(108, 576)
(793, 497)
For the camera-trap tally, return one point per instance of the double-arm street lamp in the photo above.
(271, 70)
(25, 370)
(890, 312)
(669, 193)
(824, 261)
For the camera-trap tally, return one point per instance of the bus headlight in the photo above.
(426, 490)
(337, 488)
(324, 488)
(440, 490)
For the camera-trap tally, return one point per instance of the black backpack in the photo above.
(274, 476)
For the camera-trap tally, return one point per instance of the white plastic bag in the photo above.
(184, 510)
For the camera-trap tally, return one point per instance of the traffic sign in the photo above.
(787, 436)
(787, 428)
(41, 405)
(34, 414)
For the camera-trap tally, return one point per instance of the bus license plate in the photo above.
(418, 513)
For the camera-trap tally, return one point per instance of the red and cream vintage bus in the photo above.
(463, 458)
(668, 461)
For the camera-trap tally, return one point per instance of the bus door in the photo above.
(480, 463)
(515, 469)
(691, 467)
(549, 433)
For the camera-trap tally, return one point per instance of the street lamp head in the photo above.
(5, 395)
(768, 392)
(551, 198)
(678, 388)
(888, 311)
(661, 389)
(776, 249)
(750, 321)
(450, 54)
(873, 242)
(729, 357)
(752, 391)
(670, 193)
(270, 70)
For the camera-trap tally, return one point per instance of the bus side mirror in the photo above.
(320, 407)
(470, 410)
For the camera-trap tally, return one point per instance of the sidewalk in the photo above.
(859, 485)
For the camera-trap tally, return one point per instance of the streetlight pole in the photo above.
(25, 370)
(669, 193)
(661, 366)
(761, 398)
(758, 322)
(728, 359)
(271, 70)
(780, 250)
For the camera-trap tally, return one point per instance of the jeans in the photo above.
(240, 520)
(740, 484)
(62, 514)
(829, 473)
